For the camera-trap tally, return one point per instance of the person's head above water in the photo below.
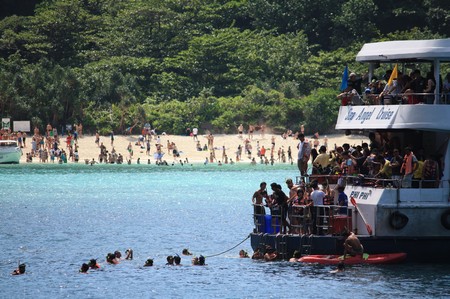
(177, 259)
(170, 260)
(201, 260)
(148, 263)
(84, 268)
(186, 251)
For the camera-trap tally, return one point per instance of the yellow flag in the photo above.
(393, 75)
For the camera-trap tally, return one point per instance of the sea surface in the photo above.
(53, 218)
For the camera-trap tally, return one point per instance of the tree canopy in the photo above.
(114, 64)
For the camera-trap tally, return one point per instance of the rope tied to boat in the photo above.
(217, 254)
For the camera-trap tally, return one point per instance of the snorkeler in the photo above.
(243, 254)
(93, 264)
(111, 259)
(20, 270)
(340, 268)
(129, 254)
(198, 261)
(257, 255)
(84, 268)
(148, 263)
(201, 260)
(186, 252)
(177, 260)
(170, 260)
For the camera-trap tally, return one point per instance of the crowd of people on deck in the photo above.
(412, 88)
(380, 158)
(300, 200)
(377, 164)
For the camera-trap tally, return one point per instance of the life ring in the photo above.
(398, 220)
(445, 219)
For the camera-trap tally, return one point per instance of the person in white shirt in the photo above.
(195, 133)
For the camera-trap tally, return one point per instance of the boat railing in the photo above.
(367, 181)
(304, 219)
(392, 99)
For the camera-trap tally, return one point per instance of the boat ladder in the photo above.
(306, 245)
(281, 246)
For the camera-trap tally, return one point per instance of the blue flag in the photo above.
(344, 79)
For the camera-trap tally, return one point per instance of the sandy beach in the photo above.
(186, 145)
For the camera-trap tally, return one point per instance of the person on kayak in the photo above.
(353, 246)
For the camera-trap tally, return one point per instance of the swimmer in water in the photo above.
(186, 252)
(295, 257)
(93, 264)
(340, 268)
(243, 254)
(177, 260)
(20, 270)
(84, 268)
(148, 263)
(169, 261)
(129, 254)
(111, 258)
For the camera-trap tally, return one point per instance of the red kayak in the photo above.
(387, 258)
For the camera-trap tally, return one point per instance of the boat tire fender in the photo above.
(398, 220)
(445, 219)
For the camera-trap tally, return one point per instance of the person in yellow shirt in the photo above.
(417, 175)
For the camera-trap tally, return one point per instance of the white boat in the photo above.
(10, 152)
(387, 217)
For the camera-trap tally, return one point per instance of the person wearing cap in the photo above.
(353, 83)
(410, 164)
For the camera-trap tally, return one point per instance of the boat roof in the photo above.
(405, 50)
(415, 117)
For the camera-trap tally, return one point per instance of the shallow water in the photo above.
(56, 217)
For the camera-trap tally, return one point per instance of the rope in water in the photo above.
(228, 249)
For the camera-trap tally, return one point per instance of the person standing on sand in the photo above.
(97, 139)
(224, 154)
(112, 138)
(240, 130)
(195, 133)
(251, 128)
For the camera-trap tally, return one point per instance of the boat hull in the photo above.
(10, 156)
(417, 248)
(374, 259)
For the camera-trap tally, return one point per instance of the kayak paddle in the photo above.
(369, 229)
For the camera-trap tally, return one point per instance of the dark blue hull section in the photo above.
(419, 249)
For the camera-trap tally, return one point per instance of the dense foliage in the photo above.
(116, 64)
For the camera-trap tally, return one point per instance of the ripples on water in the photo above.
(55, 217)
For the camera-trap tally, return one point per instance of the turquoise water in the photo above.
(56, 217)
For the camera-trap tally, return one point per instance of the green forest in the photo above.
(116, 64)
